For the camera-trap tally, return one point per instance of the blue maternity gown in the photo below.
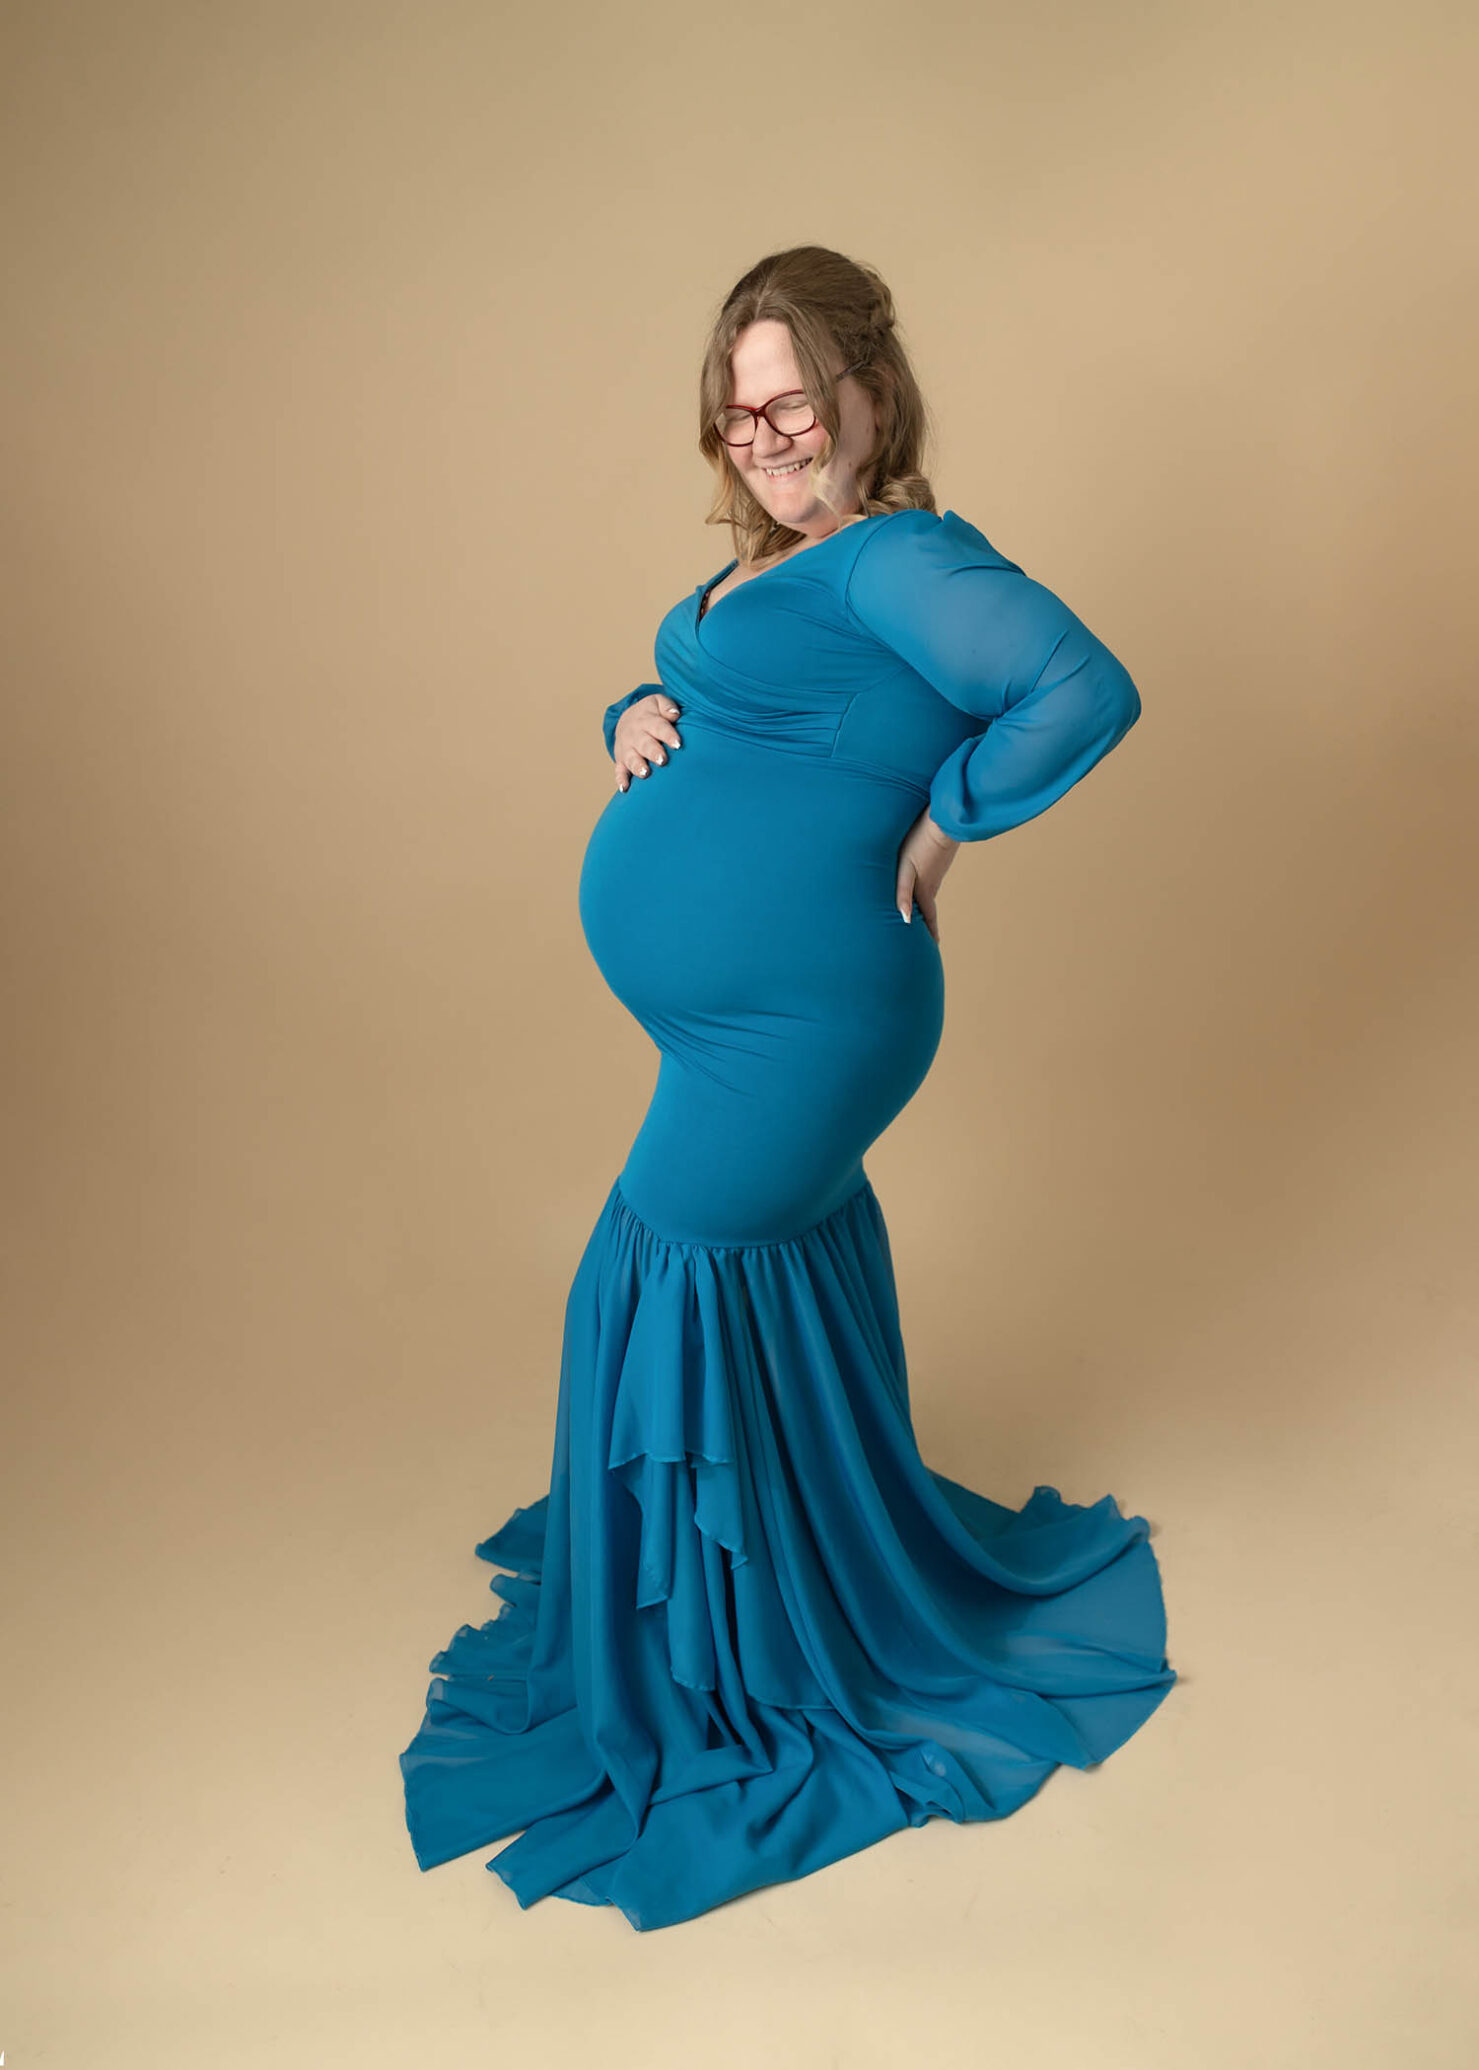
(748, 1631)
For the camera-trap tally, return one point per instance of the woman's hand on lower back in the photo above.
(644, 732)
(925, 854)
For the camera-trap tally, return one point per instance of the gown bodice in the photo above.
(905, 646)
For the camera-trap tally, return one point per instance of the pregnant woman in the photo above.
(748, 1631)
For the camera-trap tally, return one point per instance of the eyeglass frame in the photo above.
(764, 411)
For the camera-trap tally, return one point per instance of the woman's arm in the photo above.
(1003, 648)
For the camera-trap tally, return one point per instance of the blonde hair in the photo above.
(831, 305)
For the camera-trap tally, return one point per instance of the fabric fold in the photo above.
(748, 1631)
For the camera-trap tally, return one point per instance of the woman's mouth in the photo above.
(781, 474)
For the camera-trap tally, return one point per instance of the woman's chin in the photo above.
(800, 508)
(787, 491)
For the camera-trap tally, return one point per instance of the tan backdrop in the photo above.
(349, 376)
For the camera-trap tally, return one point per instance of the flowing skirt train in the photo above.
(747, 1631)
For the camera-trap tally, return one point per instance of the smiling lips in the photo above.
(780, 473)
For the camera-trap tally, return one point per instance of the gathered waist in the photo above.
(811, 746)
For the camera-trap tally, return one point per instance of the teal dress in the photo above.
(747, 1630)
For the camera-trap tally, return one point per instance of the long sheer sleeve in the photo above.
(614, 712)
(1001, 648)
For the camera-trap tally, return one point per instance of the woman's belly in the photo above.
(739, 901)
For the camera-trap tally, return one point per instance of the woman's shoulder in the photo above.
(905, 559)
(920, 539)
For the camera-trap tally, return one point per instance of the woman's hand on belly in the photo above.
(640, 734)
(925, 854)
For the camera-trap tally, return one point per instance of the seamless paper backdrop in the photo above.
(349, 350)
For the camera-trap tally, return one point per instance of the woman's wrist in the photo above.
(938, 834)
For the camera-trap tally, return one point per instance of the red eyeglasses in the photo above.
(789, 414)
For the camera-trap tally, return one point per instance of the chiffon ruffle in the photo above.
(748, 1631)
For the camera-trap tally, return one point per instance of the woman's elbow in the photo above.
(1120, 695)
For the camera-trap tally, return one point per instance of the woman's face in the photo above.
(763, 366)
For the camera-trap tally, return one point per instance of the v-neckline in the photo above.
(704, 609)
